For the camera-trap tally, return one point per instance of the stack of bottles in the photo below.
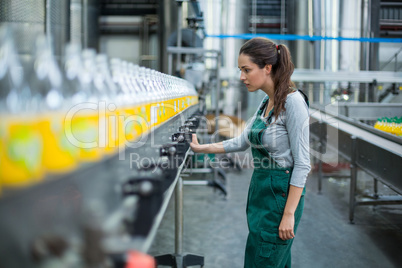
(391, 125)
(54, 118)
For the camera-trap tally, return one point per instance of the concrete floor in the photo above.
(215, 227)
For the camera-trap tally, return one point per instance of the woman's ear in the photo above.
(268, 68)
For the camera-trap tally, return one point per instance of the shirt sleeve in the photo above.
(297, 125)
(241, 143)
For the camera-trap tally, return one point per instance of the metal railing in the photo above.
(395, 56)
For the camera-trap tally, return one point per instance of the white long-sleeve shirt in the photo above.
(286, 139)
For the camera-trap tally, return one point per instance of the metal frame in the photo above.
(361, 148)
(179, 259)
(369, 111)
(308, 75)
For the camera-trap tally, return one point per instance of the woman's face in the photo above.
(251, 75)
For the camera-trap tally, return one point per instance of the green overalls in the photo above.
(267, 197)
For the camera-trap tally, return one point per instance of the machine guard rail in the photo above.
(376, 153)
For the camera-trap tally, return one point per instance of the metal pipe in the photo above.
(322, 43)
(254, 16)
(218, 87)
(48, 24)
(368, 35)
(375, 32)
(179, 216)
(145, 40)
(353, 179)
(321, 152)
(320, 172)
(375, 188)
(196, 182)
(84, 21)
(310, 26)
(179, 21)
(170, 62)
(302, 57)
(363, 24)
(283, 16)
(396, 62)
(68, 21)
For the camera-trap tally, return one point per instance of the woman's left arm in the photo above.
(297, 126)
(288, 219)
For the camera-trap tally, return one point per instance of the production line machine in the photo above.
(90, 204)
(377, 153)
(94, 215)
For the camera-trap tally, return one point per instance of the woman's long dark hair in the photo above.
(263, 51)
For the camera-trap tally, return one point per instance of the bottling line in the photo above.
(94, 141)
(66, 136)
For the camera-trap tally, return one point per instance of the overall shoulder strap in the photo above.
(305, 97)
(264, 102)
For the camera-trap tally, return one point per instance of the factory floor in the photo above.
(215, 226)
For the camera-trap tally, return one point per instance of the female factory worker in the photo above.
(279, 138)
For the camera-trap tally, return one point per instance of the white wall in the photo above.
(124, 47)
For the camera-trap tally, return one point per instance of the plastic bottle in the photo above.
(128, 120)
(144, 107)
(118, 76)
(388, 126)
(392, 128)
(85, 123)
(138, 107)
(114, 99)
(383, 123)
(46, 81)
(377, 124)
(399, 127)
(21, 144)
(75, 97)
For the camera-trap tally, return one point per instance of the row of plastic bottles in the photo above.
(52, 119)
(391, 125)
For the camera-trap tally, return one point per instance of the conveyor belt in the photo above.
(87, 208)
(378, 154)
(379, 141)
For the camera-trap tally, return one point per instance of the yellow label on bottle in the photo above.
(20, 152)
(140, 121)
(112, 135)
(144, 115)
(154, 107)
(83, 132)
(147, 115)
(121, 115)
(130, 131)
(169, 109)
(59, 154)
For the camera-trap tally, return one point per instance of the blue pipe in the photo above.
(307, 37)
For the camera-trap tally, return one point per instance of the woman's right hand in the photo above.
(195, 146)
